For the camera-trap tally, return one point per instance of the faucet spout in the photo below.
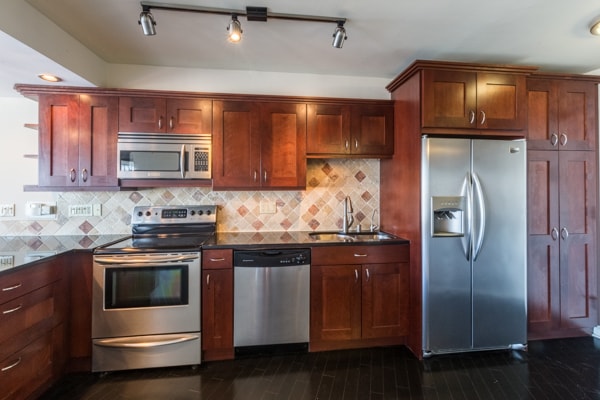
(347, 218)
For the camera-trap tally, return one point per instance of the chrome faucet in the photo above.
(374, 227)
(347, 218)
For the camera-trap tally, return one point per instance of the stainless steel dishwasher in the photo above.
(271, 300)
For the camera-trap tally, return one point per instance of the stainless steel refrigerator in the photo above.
(474, 244)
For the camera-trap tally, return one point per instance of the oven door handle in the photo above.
(140, 342)
(146, 259)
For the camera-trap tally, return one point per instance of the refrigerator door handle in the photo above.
(466, 191)
(479, 202)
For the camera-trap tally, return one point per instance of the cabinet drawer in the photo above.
(328, 255)
(24, 372)
(27, 317)
(26, 280)
(217, 259)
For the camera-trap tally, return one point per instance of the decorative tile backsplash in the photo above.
(319, 207)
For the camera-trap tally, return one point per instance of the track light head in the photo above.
(147, 22)
(339, 35)
(234, 29)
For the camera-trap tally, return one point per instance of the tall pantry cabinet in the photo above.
(562, 206)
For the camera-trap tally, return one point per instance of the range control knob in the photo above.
(192, 213)
(140, 213)
(200, 212)
(148, 213)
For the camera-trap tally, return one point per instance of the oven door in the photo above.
(145, 294)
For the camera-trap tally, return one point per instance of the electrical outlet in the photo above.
(81, 210)
(7, 210)
(268, 207)
(97, 210)
(35, 210)
(7, 260)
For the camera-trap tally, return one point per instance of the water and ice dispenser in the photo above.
(447, 219)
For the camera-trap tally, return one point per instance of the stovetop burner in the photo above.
(167, 228)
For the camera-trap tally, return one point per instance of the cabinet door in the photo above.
(335, 304)
(501, 101)
(98, 128)
(385, 300)
(449, 99)
(542, 121)
(142, 114)
(578, 210)
(189, 116)
(328, 130)
(372, 130)
(561, 114)
(283, 145)
(577, 110)
(58, 140)
(236, 145)
(543, 273)
(217, 314)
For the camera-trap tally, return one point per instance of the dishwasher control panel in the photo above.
(271, 258)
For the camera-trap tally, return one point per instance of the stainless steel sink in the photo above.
(330, 237)
(351, 236)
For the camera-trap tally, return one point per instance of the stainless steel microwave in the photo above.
(163, 156)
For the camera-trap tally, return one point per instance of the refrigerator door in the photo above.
(500, 259)
(446, 268)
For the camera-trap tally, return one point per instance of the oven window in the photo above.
(159, 161)
(146, 286)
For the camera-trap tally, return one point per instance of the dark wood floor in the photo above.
(553, 369)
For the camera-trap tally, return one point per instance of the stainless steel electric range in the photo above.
(146, 290)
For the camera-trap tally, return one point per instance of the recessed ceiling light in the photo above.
(49, 78)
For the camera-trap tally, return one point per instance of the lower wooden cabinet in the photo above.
(32, 334)
(359, 296)
(217, 305)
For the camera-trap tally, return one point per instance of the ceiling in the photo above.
(384, 36)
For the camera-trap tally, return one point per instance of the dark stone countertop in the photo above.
(16, 251)
(291, 239)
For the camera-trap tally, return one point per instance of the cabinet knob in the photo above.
(554, 233)
(554, 139)
(84, 174)
(564, 233)
(72, 174)
(563, 139)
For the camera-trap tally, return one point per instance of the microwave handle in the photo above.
(182, 161)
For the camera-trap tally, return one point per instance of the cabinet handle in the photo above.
(84, 174)
(360, 255)
(12, 310)
(160, 119)
(355, 275)
(217, 259)
(554, 139)
(554, 233)
(72, 174)
(11, 365)
(207, 280)
(171, 123)
(482, 117)
(255, 175)
(347, 144)
(368, 274)
(471, 117)
(564, 233)
(356, 143)
(265, 176)
(9, 288)
(563, 139)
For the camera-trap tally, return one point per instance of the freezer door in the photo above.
(446, 269)
(500, 259)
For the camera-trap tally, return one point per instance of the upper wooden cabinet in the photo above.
(562, 114)
(77, 141)
(259, 145)
(480, 100)
(350, 130)
(165, 115)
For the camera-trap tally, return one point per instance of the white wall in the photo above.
(15, 142)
